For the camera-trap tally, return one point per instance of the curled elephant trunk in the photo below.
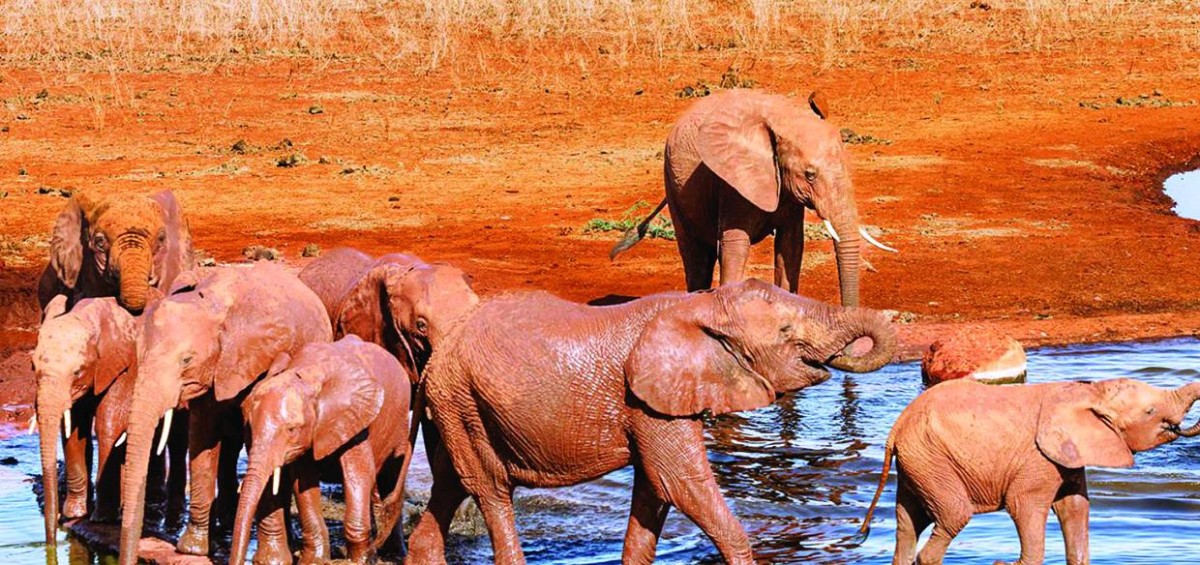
(49, 414)
(865, 323)
(134, 279)
(1187, 396)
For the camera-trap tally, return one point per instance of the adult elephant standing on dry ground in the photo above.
(119, 246)
(202, 347)
(741, 165)
(534, 391)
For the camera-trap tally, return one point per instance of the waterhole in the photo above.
(1184, 189)
(799, 475)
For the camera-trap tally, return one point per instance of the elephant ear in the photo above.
(240, 363)
(736, 143)
(819, 106)
(178, 246)
(185, 282)
(67, 241)
(55, 308)
(364, 308)
(349, 401)
(1074, 430)
(114, 345)
(682, 364)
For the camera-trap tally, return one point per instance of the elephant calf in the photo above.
(85, 363)
(964, 448)
(341, 404)
(533, 391)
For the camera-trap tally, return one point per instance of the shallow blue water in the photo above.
(1184, 189)
(799, 475)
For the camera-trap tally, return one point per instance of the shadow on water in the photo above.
(799, 474)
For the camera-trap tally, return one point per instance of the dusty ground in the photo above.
(1020, 193)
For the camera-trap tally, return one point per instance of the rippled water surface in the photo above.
(800, 474)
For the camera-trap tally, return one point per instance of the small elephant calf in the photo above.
(343, 404)
(965, 448)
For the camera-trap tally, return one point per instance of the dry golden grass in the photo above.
(427, 34)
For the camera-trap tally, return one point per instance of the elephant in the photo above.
(744, 164)
(202, 347)
(118, 246)
(965, 448)
(397, 301)
(85, 362)
(340, 406)
(534, 391)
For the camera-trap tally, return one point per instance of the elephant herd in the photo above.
(330, 374)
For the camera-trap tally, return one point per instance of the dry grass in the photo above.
(426, 34)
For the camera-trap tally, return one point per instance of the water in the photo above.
(1184, 189)
(799, 475)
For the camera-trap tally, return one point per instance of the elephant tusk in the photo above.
(874, 241)
(33, 424)
(275, 482)
(67, 423)
(832, 232)
(120, 440)
(240, 487)
(166, 430)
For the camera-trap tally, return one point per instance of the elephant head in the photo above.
(1106, 422)
(763, 146)
(219, 334)
(321, 389)
(125, 240)
(78, 352)
(742, 345)
(405, 305)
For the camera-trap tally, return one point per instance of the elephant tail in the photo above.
(865, 530)
(635, 234)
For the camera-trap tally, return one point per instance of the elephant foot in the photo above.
(361, 554)
(193, 541)
(74, 507)
(272, 552)
(106, 514)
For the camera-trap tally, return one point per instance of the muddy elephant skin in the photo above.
(534, 391)
(964, 447)
(342, 405)
(202, 347)
(118, 246)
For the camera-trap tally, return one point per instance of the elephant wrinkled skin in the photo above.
(531, 390)
(964, 447)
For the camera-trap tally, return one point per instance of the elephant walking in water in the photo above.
(741, 165)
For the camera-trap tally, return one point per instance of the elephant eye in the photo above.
(100, 242)
(187, 360)
(422, 325)
(1150, 410)
(810, 175)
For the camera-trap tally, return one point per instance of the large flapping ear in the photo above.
(178, 246)
(362, 311)
(1074, 429)
(114, 345)
(682, 365)
(240, 361)
(736, 143)
(819, 106)
(67, 241)
(281, 362)
(186, 281)
(349, 401)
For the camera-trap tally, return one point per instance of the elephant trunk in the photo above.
(148, 406)
(51, 410)
(250, 493)
(1187, 396)
(134, 273)
(858, 323)
(848, 250)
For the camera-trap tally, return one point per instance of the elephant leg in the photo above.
(227, 482)
(497, 510)
(177, 479)
(358, 475)
(911, 522)
(646, 516)
(427, 543)
(953, 511)
(204, 450)
(735, 252)
(699, 261)
(272, 526)
(108, 462)
(1071, 508)
(390, 506)
(1030, 518)
(156, 487)
(676, 464)
(77, 455)
(789, 254)
(315, 535)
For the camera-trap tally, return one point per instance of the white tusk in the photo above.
(33, 424)
(120, 440)
(166, 430)
(67, 423)
(873, 241)
(832, 232)
(240, 486)
(275, 482)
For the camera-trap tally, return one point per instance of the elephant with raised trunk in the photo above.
(85, 362)
(118, 246)
(965, 448)
(202, 347)
(743, 164)
(337, 410)
(534, 391)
